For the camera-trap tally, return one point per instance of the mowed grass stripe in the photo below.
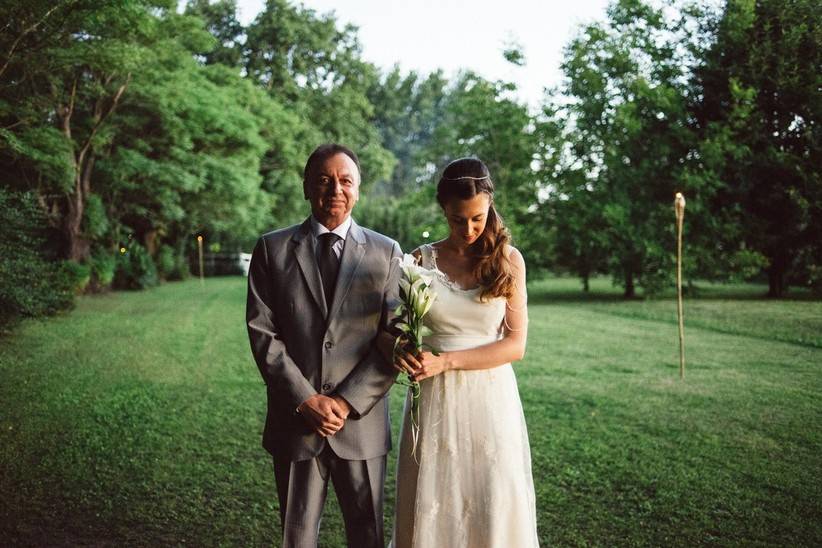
(607, 414)
(708, 317)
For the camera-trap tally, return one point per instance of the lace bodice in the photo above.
(457, 311)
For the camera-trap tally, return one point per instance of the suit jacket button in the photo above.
(327, 387)
(328, 345)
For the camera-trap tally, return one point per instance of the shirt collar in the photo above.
(318, 229)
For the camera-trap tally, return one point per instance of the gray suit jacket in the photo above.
(305, 346)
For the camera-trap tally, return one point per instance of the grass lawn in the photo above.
(136, 420)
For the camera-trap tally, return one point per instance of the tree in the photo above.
(407, 111)
(63, 78)
(174, 149)
(305, 62)
(624, 116)
(220, 19)
(480, 118)
(760, 108)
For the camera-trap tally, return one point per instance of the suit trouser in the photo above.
(302, 487)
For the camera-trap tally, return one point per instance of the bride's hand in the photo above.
(431, 365)
(406, 362)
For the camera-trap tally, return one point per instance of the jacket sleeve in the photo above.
(373, 377)
(278, 369)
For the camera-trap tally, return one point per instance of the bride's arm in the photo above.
(510, 348)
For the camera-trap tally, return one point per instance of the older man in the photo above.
(320, 295)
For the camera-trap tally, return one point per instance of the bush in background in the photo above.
(103, 266)
(171, 265)
(135, 269)
(32, 281)
(77, 275)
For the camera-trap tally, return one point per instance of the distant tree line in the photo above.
(127, 129)
(723, 106)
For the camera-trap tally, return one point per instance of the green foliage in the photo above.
(128, 119)
(407, 112)
(69, 65)
(171, 265)
(188, 176)
(746, 264)
(220, 18)
(760, 105)
(514, 54)
(426, 123)
(306, 62)
(619, 146)
(76, 275)
(32, 283)
(406, 219)
(39, 149)
(481, 119)
(166, 263)
(95, 220)
(135, 269)
(103, 265)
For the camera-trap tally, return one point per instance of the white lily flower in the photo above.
(412, 271)
(429, 300)
(407, 260)
(416, 298)
(427, 276)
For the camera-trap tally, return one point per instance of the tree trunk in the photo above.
(78, 247)
(585, 283)
(776, 280)
(630, 290)
(151, 239)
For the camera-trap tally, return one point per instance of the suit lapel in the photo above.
(352, 255)
(306, 258)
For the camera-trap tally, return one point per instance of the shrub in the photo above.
(77, 275)
(103, 264)
(180, 269)
(166, 263)
(95, 220)
(32, 281)
(135, 269)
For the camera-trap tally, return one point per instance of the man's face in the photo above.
(333, 187)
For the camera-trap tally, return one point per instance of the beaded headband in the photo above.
(464, 177)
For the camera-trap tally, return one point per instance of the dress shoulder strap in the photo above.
(427, 256)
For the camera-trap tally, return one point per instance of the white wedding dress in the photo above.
(473, 486)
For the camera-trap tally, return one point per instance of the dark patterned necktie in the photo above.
(329, 265)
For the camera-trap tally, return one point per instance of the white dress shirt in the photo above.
(318, 229)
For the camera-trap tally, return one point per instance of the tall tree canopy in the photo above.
(759, 85)
(134, 128)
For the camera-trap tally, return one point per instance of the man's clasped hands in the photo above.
(325, 414)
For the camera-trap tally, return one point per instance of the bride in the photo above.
(468, 483)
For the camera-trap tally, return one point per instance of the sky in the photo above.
(425, 35)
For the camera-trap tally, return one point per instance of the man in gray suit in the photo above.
(320, 296)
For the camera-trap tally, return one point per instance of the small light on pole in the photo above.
(200, 251)
(679, 209)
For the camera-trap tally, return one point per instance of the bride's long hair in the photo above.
(463, 179)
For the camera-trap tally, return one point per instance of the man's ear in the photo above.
(305, 190)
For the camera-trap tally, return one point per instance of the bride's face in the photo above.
(467, 218)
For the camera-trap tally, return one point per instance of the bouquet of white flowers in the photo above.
(416, 298)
